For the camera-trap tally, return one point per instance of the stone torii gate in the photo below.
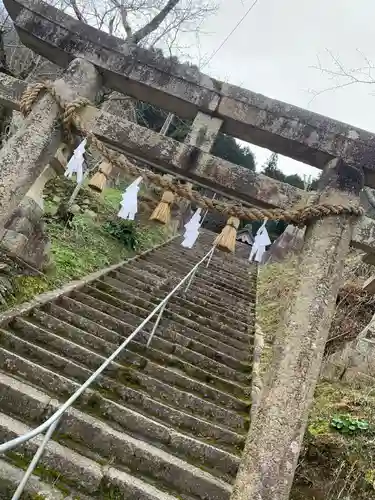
(344, 153)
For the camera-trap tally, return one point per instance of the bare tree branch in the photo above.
(77, 12)
(124, 16)
(154, 23)
(343, 77)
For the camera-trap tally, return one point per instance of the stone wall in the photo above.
(355, 363)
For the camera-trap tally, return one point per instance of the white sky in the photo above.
(273, 52)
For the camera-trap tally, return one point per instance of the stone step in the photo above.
(148, 463)
(142, 383)
(116, 410)
(182, 265)
(138, 373)
(17, 395)
(149, 300)
(162, 351)
(217, 276)
(137, 314)
(164, 268)
(186, 258)
(139, 283)
(123, 299)
(170, 331)
(75, 470)
(11, 476)
(75, 475)
(166, 421)
(217, 300)
(184, 347)
(233, 264)
(33, 330)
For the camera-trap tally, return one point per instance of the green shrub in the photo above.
(124, 231)
(346, 424)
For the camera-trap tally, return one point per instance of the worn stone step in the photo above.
(10, 478)
(68, 469)
(116, 410)
(162, 351)
(187, 260)
(200, 291)
(142, 383)
(218, 298)
(214, 276)
(145, 460)
(163, 267)
(170, 328)
(30, 327)
(137, 373)
(222, 314)
(231, 262)
(164, 340)
(215, 325)
(16, 396)
(149, 300)
(236, 311)
(130, 314)
(134, 316)
(144, 291)
(199, 314)
(171, 331)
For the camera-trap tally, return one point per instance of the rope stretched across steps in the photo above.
(70, 118)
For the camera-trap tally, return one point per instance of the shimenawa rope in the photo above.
(70, 119)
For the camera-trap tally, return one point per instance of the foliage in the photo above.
(28, 287)
(87, 246)
(346, 424)
(124, 231)
(272, 170)
(227, 148)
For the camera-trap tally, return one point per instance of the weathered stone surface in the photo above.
(369, 285)
(182, 89)
(14, 242)
(203, 132)
(275, 437)
(209, 171)
(189, 162)
(165, 78)
(27, 152)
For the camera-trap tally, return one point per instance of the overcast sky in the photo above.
(273, 52)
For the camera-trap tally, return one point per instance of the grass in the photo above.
(275, 282)
(85, 247)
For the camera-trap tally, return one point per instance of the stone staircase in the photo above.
(161, 423)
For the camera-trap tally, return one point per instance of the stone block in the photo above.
(358, 379)
(22, 225)
(14, 242)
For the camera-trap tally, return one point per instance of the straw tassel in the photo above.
(226, 240)
(162, 212)
(99, 180)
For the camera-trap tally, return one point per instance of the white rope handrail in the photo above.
(51, 422)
